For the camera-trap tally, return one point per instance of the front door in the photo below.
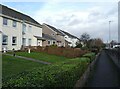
(38, 42)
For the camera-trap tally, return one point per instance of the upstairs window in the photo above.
(14, 40)
(24, 28)
(5, 40)
(14, 23)
(30, 28)
(29, 42)
(5, 21)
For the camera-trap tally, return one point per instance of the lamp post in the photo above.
(109, 34)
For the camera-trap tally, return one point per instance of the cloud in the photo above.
(93, 19)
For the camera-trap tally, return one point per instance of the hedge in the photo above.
(90, 55)
(63, 74)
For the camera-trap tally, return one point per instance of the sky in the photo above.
(74, 17)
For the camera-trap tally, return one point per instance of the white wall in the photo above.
(0, 41)
(35, 31)
(72, 40)
(11, 31)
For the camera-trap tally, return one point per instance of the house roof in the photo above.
(70, 35)
(17, 15)
(48, 37)
(55, 29)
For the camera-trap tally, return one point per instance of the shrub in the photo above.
(63, 74)
(90, 55)
(53, 46)
(79, 45)
(59, 51)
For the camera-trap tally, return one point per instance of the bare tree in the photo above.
(85, 37)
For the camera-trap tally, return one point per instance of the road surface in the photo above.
(105, 74)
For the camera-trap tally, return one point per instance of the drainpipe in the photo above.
(0, 41)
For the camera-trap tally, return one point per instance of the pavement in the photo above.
(105, 74)
(31, 59)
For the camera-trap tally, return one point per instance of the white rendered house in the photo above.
(18, 30)
(70, 38)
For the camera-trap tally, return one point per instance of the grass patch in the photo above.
(63, 74)
(43, 56)
(12, 65)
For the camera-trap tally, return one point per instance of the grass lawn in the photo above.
(43, 56)
(63, 74)
(23, 73)
(12, 66)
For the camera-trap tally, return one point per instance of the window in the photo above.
(14, 23)
(53, 42)
(24, 41)
(5, 21)
(48, 42)
(53, 34)
(30, 28)
(5, 40)
(29, 42)
(14, 40)
(24, 28)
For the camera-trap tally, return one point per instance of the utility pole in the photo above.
(109, 34)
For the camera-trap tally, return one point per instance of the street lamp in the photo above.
(109, 34)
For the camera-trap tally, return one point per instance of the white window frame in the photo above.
(29, 41)
(14, 23)
(5, 43)
(30, 28)
(49, 42)
(5, 21)
(14, 38)
(24, 28)
(24, 41)
(53, 42)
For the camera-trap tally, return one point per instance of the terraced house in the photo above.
(18, 30)
(55, 34)
(70, 39)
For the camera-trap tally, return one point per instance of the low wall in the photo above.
(83, 80)
(114, 54)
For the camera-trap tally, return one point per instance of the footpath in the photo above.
(105, 74)
(31, 59)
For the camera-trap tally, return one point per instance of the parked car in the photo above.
(116, 46)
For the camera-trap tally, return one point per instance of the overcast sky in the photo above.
(74, 17)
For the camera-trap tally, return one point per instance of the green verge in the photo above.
(42, 56)
(13, 66)
(63, 74)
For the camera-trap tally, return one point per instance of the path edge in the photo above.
(83, 79)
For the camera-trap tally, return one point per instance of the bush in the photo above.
(79, 45)
(90, 55)
(53, 46)
(63, 74)
(59, 51)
